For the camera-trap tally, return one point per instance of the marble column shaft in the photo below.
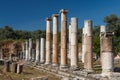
(37, 50)
(48, 41)
(88, 61)
(42, 51)
(63, 62)
(30, 48)
(55, 40)
(74, 42)
(27, 51)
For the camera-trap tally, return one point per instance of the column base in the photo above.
(74, 68)
(55, 65)
(89, 70)
(106, 72)
(47, 63)
(42, 62)
(64, 67)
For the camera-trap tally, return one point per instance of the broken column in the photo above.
(55, 40)
(42, 51)
(63, 62)
(48, 41)
(37, 50)
(107, 52)
(74, 43)
(30, 48)
(14, 67)
(7, 66)
(102, 30)
(88, 61)
(27, 51)
(19, 68)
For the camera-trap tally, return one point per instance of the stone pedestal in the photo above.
(19, 68)
(48, 41)
(55, 40)
(14, 67)
(63, 62)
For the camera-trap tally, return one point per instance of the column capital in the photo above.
(63, 11)
(48, 19)
(55, 15)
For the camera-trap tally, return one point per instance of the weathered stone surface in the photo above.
(14, 67)
(63, 37)
(39, 78)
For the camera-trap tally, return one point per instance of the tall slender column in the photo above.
(48, 41)
(102, 30)
(42, 51)
(107, 52)
(69, 54)
(74, 42)
(55, 40)
(83, 45)
(27, 52)
(37, 50)
(30, 48)
(88, 63)
(63, 62)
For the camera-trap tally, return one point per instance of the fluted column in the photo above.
(42, 51)
(37, 59)
(48, 41)
(74, 43)
(55, 40)
(63, 62)
(88, 63)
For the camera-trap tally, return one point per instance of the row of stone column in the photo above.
(87, 44)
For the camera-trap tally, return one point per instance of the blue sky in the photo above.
(31, 14)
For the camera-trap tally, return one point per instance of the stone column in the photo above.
(48, 41)
(107, 51)
(33, 54)
(14, 67)
(55, 40)
(69, 54)
(63, 62)
(102, 30)
(2, 54)
(74, 43)
(83, 45)
(27, 51)
(19, 68)
(42, 51)
(30, 48)
(23, 50)
(37, 50)
(88, 63)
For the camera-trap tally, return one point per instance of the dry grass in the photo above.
(28, 73)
